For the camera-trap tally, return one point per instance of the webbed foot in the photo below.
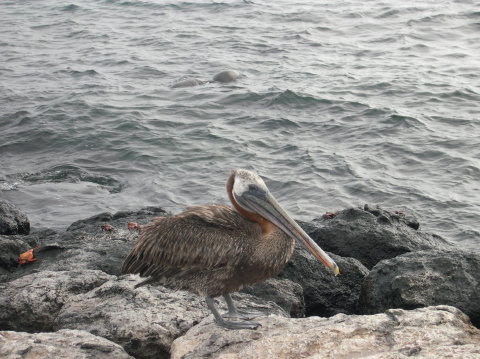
(243, 314)
(238, 325)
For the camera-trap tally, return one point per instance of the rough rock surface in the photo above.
(10, 248)
(74, 284)
(373, 234)
(12, 220)
(83, 246)
(285, 293)
(64, 344)
(146, 320)
(92, 225)
(31, 303)
(325, 294)
(434, 332)
(424, 278)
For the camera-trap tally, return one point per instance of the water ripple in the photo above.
(339, 104)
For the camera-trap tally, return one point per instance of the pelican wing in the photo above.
(201, 238)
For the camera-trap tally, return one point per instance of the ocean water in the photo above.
(339, 104)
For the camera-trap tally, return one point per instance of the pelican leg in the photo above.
(227, 324)
(234, 312)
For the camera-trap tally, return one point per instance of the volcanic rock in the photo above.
(422, 279)
(146, 320)
(31, 303)
(119, 220)
(12, 220)
(283, 292)
(64, 344)
(83, 246)
(372, 234)
(433, 332)
(325, 294)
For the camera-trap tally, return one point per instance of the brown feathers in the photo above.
(209, 250)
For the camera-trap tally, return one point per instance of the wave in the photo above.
(287, 98)
(70, 8)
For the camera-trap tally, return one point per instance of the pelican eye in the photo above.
(256, 190)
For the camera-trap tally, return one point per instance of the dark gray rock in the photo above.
(10, 248)
(285, 293)
(12, 220)
(31, 303)
(83, 246)
(64, 344)
(119, 220)
(325, 295)
(373, 234)
(423, 279)
(64, 251)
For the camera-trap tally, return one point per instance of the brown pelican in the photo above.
(215, 250)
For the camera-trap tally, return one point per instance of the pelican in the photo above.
(215, 250)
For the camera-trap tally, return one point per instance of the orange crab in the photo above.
(27, 257)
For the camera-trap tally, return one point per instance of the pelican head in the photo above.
(250, 195)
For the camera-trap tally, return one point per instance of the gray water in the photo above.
(339, 104)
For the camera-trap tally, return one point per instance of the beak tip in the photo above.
(335, 270)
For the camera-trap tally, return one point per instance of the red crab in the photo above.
(329, 215)
(108, 227)
(134, 226)
(27, 257)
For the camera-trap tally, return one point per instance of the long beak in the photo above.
(267, 206)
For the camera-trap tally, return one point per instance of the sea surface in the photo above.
(340, 103)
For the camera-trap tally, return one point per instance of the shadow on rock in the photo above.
(325, 294)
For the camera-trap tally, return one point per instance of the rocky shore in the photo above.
(401, 293)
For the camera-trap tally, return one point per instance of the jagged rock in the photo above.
(31, 303)
(10, 248)
(285, 293)
(83, 246)
(434, 332)
(424, 278)
(119, 220)
(64, 344)
(12, 220)
(104, 252)
(372, 234)
(146, 320)
(325, 294)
